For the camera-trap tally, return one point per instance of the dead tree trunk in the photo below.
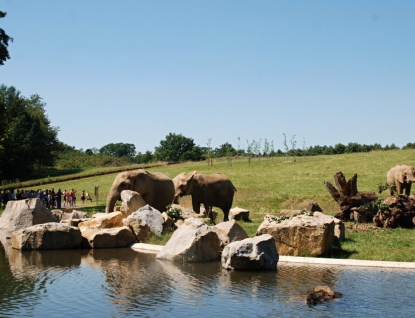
(347, 196)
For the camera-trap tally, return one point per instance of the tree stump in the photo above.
(347, 196)
(396, 212)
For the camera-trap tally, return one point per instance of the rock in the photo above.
(141, 231)
(291, 212)
(108, 238)
(146, 215)
(100, 214)
(168, 222)
(312, 206)
(104, 221)
(229, 232)
(25, 213)
(194, 241)
(321, 294)
(204, 214)
(131, 202)
(186, 213)
(74, 222)
(395, 212)
(300, 235)
(189, 214)
(339, 230)
(47, 236)
(73, 214)
(57, 214)
(238, 214)
(251, 254)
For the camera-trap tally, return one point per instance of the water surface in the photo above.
(122, 283)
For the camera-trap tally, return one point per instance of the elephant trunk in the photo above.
(111, 199)
(176, 199)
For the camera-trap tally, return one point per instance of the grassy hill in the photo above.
(270, 185)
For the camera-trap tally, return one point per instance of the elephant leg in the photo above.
(196, 206)
(391, 190)
(399, 188)
(209, 212)
(408, 189)
(225, 215)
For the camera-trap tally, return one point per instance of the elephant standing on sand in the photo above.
(156, 189)
(402, 176)
(211, 190)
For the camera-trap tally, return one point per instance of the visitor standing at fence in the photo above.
(73, 197)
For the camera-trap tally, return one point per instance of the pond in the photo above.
(123, 282)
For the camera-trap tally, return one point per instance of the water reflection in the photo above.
(122, 282)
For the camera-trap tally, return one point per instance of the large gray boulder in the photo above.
(145, 216)
(251, 254)
(25, 213)
(107, 238)
(229, 232)
(300, 235)
(48, 236)
(194, 241)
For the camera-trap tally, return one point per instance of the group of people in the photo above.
(50, 198)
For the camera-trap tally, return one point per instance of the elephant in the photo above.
(402, 176)
(211, 190)
(156, 189)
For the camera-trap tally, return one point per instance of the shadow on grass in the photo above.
(338, 252)
(55, 173)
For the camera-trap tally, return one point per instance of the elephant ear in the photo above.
(400, 175)
(189, 181)
(191, 175)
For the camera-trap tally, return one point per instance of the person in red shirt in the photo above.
(67, 198)
(73, 197)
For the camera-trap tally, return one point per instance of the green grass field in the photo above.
(270, 185)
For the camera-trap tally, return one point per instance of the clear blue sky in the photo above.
(133, 71)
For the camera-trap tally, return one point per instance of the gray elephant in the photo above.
(402, 176)
(156, 189)
(211, 190)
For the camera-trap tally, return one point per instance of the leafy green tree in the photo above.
(224, 150)
(339, 148)
(27, 140)
(4, 42)
(409, 145)
(353, 147)
(118, 150)
(92, 151)
(329, 150)
(144, 158)
(177, 147)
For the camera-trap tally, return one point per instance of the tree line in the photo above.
(177, 148)
(29, 144)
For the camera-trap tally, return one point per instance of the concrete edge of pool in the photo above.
(154, 249)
